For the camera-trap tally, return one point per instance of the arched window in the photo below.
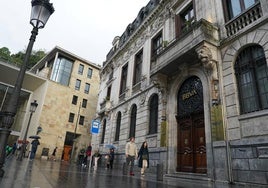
(118, 125)
(103, 131)
(153, 116)
(133, 117)
(252, 79)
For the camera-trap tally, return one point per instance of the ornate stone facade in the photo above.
(189, 56)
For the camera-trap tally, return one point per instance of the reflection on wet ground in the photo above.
(50, 174)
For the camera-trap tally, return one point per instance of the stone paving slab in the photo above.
(59, 174)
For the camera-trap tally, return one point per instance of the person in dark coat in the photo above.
(86, 162)
(35, 144)
(143, 156)
(111, 156)
(53, 157)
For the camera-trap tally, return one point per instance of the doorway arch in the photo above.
(191, 143)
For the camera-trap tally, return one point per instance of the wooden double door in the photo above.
(191, 151)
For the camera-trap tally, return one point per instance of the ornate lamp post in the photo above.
(23, 149)
(41, 11)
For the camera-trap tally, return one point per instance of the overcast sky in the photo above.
(83, 27)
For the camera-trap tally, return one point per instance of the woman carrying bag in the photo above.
(143, 157)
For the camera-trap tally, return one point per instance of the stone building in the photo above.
(65, 87)
(70, 101)
(191, 78)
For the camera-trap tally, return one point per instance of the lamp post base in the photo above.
(4, 133)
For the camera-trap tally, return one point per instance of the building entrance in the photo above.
(191, 147)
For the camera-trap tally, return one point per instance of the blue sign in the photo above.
(95, 126)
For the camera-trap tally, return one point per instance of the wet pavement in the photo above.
(60, 174)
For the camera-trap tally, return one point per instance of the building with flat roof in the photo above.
(66, 89)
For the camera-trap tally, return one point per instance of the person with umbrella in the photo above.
(35, 144)
(111, 156)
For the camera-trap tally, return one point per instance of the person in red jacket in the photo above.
(86, 162)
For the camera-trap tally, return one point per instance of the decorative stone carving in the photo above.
(125, 109)
(142, 99)
(157, 24)
(210, 65)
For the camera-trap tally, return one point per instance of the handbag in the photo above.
(144, 157)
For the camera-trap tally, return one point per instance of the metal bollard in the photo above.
(124, 168)
(159, 173)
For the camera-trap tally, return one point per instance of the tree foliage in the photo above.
(18, 58)
(5, 53)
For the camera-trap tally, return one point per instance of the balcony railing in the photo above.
(244, 19)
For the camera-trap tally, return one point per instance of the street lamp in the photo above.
(23, 148)
(41, 11)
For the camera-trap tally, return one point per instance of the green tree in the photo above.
(35, 57)
(18, 58)
(5, 54)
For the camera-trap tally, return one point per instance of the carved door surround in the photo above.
(191, 147)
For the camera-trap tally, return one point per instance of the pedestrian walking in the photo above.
(96, 156)
(107, 160)
(53, 156)
(86, 161)
(14, 148)
(81, 157)
(111, 158)
(131, 154)
(143, 156)
(35, 144)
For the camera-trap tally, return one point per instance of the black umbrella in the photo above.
(35, 137)
(110, 146)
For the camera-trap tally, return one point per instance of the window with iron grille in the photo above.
(133, 117)
(252, 79)
(118, 125)
(153, 118)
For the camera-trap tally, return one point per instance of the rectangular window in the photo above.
(77, 84)
(89, 72)
(84, 103)
(157, 45)
(61, 71)
(81, 69)
(236, 7)
(108, 93)
(71, 118)
(81, 120)
(184, 20)
(137, 67)
(75, 98)
(123, 85)
(87, 87)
